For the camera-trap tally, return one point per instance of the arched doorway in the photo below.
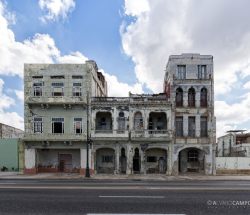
(156, 160)
(123, 160)
(105, 160)
(136, 161)
(191, 160)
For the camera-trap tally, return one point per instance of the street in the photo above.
(124, 196)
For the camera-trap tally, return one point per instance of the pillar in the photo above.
(185, 125)
(30, 161)
(197, 125)
(83, 162)
(197, 99)
(185, 98)
(129, 159)
(117, 160)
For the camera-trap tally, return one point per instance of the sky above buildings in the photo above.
(131, 41)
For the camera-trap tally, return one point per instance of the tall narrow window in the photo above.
(77, 89)
(57, 125)
(181, 71)
(203, 98)
(57, 89)
(179, 126)
(78, 125)
(191, 126)
(38, 125)
(179, 97)
(204, 126)
(202, 72)
(121, 122)
(138, 121)
(38, 88)
(191, 97)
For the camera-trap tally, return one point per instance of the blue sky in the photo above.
(131, 41)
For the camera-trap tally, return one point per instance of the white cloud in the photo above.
(173, 27)
(220, 28)
(135, 8)
(20, 94)
(42, 49)
(116, 88)
(6, 117)
(73, 57)
(55, 9)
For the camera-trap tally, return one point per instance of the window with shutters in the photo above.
(179, 126)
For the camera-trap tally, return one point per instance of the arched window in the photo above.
(138, 121)
(179, 97)
(203, 100)
(191, 97)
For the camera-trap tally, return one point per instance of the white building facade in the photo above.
(168, 133)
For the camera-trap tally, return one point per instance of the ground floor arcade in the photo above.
(122, 158)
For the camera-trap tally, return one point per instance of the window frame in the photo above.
(57, 119)
(38, 125)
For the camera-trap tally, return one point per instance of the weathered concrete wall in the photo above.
(232, 165)
(7, 131)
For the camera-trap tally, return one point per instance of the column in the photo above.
(143, 167)
(30, 161)
(169, 160)
(185, 98)
(197, 126)
(185, 125)
(83, 161)
(129, 159)
(117, 160)
(197, 99)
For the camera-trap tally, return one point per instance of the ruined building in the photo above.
(236, 143)
(169, 133)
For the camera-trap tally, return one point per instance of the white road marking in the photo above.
(131, 214)
(140, 197)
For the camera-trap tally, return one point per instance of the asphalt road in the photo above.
(124, 197)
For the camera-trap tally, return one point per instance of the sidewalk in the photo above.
(151, 177)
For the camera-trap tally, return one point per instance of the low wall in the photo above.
(232, 165)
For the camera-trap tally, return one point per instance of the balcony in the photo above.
(55, 100)
(160, 135)
(110, 134)
(54, 137)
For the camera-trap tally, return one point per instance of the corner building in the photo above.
(167, 133)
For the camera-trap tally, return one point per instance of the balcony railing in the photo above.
(151, 134)
(54, 137)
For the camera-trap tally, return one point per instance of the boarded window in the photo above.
(204, 126)
(179, 97)
(191, 97)
(202, 72)
(203, 98)
(181, 71)
(191, 126)
(179, 126)
(121, 122)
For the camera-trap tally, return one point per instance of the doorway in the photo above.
(65, 162)
(136, 161)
